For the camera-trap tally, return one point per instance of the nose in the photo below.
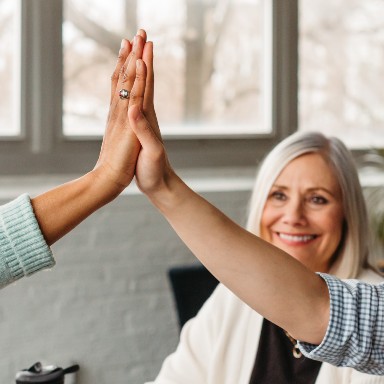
(294, 213)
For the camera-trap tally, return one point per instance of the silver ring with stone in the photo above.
(124, 94)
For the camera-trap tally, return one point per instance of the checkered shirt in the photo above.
(355, 334)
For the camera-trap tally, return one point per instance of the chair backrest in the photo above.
(191, 286)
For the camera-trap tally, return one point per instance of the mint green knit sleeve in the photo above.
(23, 249)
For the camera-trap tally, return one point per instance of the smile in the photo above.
(296, 238)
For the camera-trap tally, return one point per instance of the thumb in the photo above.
(142, 129)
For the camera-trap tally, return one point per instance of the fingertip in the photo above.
(123, 46)
(142, 33)
(125, 49)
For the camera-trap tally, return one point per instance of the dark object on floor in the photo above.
(44, 374)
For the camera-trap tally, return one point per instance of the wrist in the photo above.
(102, 186)
(60, 209)
(170, 194)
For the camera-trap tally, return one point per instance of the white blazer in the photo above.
(219, 346)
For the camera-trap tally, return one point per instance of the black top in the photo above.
(275, 363)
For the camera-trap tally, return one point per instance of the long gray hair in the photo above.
(352, 253)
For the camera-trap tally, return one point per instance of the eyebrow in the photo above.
(309, 189)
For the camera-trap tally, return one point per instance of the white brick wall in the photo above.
(107, 304)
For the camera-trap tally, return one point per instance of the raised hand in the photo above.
(148, 106)
(59, 210)
(120, 147)
(153, 165)
(153, 170)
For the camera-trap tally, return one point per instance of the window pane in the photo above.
(9, 60)
(208, 62)
(341, 69)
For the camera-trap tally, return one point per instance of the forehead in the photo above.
(310, 170)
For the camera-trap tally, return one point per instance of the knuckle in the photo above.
(120, 57)
(121, 73)
(122, 70)
(124, 78)
(136, 97)
(115, 76)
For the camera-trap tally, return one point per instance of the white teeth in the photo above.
(296, 238)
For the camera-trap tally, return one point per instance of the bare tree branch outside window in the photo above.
(207, 55)
(341, 69)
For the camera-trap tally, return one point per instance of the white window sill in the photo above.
(208, 180)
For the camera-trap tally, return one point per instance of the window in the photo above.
(230, 94)
(67, 51)
(210, 71)
(341, 70)
(9, 64)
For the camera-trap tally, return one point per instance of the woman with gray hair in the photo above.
(353, 251)
(307, 201)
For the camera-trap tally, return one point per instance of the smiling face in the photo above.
(303, 214)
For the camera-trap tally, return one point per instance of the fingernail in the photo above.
(135, 41)
(122, 46)
(138, 64)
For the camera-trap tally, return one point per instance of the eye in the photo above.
(318, 200)
(278, 196)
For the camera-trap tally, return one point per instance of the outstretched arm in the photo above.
(59, 210)
(28, 227)
(266, 278)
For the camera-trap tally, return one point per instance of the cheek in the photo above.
(268, 218)
(264, 232)
(334, 227)
(337, 234)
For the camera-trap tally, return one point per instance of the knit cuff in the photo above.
(23, 249)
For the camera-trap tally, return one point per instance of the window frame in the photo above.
(42, 147)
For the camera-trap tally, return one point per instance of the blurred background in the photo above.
(232, 79)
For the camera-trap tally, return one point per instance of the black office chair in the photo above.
(191, 286)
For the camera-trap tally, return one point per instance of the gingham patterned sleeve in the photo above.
(355, 334)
